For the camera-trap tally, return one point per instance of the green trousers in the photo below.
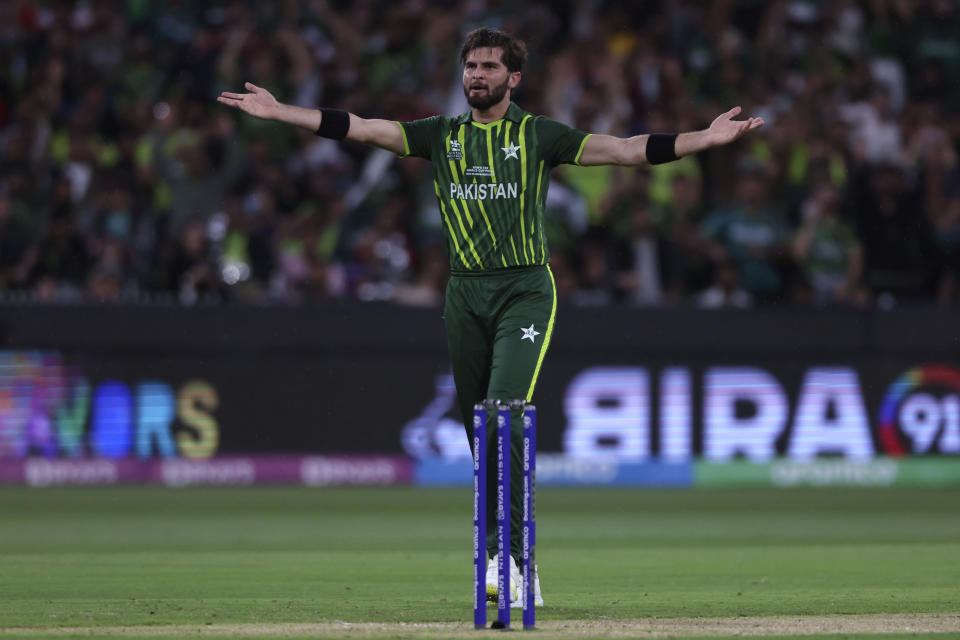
(499, 326)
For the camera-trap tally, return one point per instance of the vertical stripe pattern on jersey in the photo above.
(483, 211)
(523, 183)
(453, 234)
(456, 177)
(491, 180)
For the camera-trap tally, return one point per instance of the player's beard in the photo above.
(487, 100)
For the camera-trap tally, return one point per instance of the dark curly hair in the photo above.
(514, 49)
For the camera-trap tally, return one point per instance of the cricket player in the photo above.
(491, 168)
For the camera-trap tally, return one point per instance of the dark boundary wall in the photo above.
(349, 377)
(376, 328)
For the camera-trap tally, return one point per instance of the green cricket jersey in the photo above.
(491, 180)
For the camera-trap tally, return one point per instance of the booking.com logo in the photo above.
(921, 412)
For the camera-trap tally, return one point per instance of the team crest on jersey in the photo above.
(510, 151)
(456, 152)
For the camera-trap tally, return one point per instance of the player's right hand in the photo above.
(259, 103)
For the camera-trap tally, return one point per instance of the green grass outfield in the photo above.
(281, 561)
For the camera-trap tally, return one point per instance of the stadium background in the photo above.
(189, 296)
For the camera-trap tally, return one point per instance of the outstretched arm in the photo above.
(602, 149)
(260, 103)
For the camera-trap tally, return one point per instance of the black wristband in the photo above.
(661, 147)
(334, 123)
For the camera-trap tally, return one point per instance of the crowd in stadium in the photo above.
(123, 180)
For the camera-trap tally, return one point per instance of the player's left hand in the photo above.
(724, 129)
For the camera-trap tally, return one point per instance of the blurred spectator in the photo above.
(896, 235)
(753, 234)
(827, 250)
(603, 266)
(197, 166)
(382, 252)
(946, 220)
(933, 156)
(874, 131)
(191, 271)
(689, 266)
(104, 285)
(430, 281)
(648, 261)
(307, 270)
(13, 247)
(58, 266)
(564, 275)
(725, 293)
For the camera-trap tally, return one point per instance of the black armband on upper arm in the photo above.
(661, 147)
(334, 123)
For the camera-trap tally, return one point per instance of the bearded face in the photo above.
(480, 95)
(486, 80)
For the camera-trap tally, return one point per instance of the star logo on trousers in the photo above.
(511, 152)
(529, 332)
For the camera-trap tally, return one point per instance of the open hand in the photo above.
(260, 103)
(725, 129)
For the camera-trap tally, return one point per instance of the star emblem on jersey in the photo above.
(511, 152)
(529, 332)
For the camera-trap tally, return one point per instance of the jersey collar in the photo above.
(514, 114)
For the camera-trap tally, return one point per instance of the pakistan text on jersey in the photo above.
(477, 191)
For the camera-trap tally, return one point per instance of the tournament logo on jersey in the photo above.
(456, 152)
